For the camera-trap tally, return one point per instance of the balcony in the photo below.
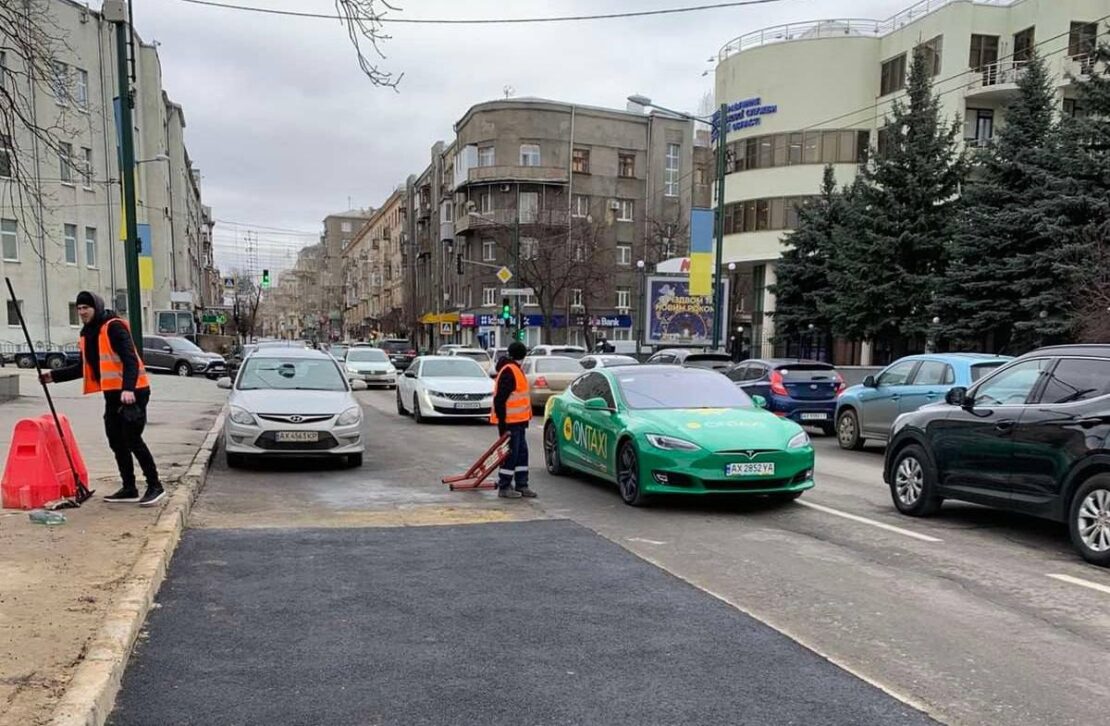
(996, 82)
(506, 219)
(527, 174)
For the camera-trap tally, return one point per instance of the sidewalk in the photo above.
(56, 583)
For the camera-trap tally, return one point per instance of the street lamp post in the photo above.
(719, 222)
(640, 307)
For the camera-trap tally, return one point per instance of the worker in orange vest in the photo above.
(110, 364)
(512, 410)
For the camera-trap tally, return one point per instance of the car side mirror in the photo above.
(597, 404)
(759, 401)
(870, 382)
(167, 349)
(224, 382)
(358, 385)
(957, 397)
(410, 374)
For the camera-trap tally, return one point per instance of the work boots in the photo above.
(126, 495)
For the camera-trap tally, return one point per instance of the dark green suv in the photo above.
(1032, 437)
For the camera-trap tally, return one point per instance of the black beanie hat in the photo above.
(86, 298)
(517, 350)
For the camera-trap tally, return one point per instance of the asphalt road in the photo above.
(963, 615)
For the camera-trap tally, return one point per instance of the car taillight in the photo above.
(776, 384)
(411, 352)
(541, 382)
(839, 383)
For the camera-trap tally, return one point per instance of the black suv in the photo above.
(400, 352)
(1032, 437)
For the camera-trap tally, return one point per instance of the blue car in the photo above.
(867, 411)
(804, 391)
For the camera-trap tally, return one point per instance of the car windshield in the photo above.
(558, 365)
(805, 372)
(456, 368)
(981, 369)
(181, 345)
(367, 355)
(290, 374)
(475, 355)
(662, 388)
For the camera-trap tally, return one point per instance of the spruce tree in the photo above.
(907, 200)
(999, 270)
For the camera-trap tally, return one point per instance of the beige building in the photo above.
(374, 273)
(808, 94)
(71, 243)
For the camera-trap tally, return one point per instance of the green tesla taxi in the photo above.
(670, 430)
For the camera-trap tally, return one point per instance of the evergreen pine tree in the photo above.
(998, 262)
(907, 196)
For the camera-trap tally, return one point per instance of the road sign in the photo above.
(517, 291)
(504, 275)
(221, 319)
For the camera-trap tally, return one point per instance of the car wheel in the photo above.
(913, 483)
(417, 416)
(25, 361)
(183, 369)
(847, 431)
(54, 362)
(234, 461)
(628, 475)
(354, 460)
(401, 405)
(784, 497)
(551, 451)
(828, 429)
(1089, 522)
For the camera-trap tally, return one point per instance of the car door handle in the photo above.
(894, 397)
(931, 394)
(1090, 423)
(1004, 426)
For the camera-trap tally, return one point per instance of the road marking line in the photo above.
(1081, 582)
(645, 541)
(865, 520)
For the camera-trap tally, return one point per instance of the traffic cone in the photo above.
(37, 470)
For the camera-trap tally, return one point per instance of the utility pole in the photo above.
(516, 268)
(719, 226)
(115, 12)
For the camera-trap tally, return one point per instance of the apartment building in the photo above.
(808, 94)
(69, 242)
(374, 273)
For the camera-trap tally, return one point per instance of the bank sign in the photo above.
(677, 318)
(745, 114)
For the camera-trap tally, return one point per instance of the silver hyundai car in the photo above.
(292, 402)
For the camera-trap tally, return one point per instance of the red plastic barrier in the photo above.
(37, 470)
(74, 452)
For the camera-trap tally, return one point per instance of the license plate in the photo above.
(297, 436)
(468, 404)
(815, 416)
(762, 469)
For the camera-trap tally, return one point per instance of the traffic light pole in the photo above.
(518, 334)
(131, 241)
(718, 277)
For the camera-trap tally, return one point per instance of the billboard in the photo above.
(675, 317)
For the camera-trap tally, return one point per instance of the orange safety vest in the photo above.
(111, 366)
(518, 409)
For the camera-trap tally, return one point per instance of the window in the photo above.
(9, 241)
(624, 212)
(65, 162)
(898, 374)
(626, 165)
(576, 297)
(893, 75)
(59, 82)
(884, 137)
(934, 373)
(1023, 45)
(624, 298)
(529, 154)
(828, 147)
(580, 161)
(1077, 379)
(14, 309)
(70, 231)
(90, 247)
(489, 296)
(1082, 39)
(766, 156)
(579, 252)
(345, 226)
(932, 51)
(979, 126)
(581, 206)
(1012, 386)
(529, 207)
(74, 320)
(794, 149)
(86, 167)
(485, 202)
(529, 248)
(1072, 108)
(762, 214)
(670, 170)
(624, 255)
(984, 52)
(489, 250)
(5, 156)
(81, 90)
(811, 147)
(485, 155)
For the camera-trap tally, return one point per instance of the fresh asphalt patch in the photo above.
(539, 622)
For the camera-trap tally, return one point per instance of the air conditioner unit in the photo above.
(614, 205)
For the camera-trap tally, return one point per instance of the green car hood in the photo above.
(717, 429)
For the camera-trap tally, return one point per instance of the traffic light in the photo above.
(519, 335)
(506, 309)
(265, 278)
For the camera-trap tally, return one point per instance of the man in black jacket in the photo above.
(109, 363)
(512, 410)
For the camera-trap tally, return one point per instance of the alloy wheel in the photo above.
(846, 430)
(628, 473)
(1094, 520)
(909, 480)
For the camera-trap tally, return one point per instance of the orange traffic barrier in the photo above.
(475, 476)
(57, 450)
(37, 470)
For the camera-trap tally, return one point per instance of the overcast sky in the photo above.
(285, 128)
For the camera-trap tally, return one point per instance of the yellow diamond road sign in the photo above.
(504, 275)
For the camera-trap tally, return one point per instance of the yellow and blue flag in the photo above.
(701, 252)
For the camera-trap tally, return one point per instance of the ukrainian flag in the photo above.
(701, 252)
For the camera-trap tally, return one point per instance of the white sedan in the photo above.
(292, 402)
(444, 387)
(370, 365)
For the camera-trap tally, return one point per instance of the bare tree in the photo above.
(363, 21)
(595, 273)
(667, 236)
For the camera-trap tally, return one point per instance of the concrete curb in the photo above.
(91, 693)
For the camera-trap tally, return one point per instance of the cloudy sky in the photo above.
(286, 129)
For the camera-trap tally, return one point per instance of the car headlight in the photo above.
(352, 370)
(800, 441)
(430, 392)
(199, 361)
(670, 443)
(242, 416)
(351, 416)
